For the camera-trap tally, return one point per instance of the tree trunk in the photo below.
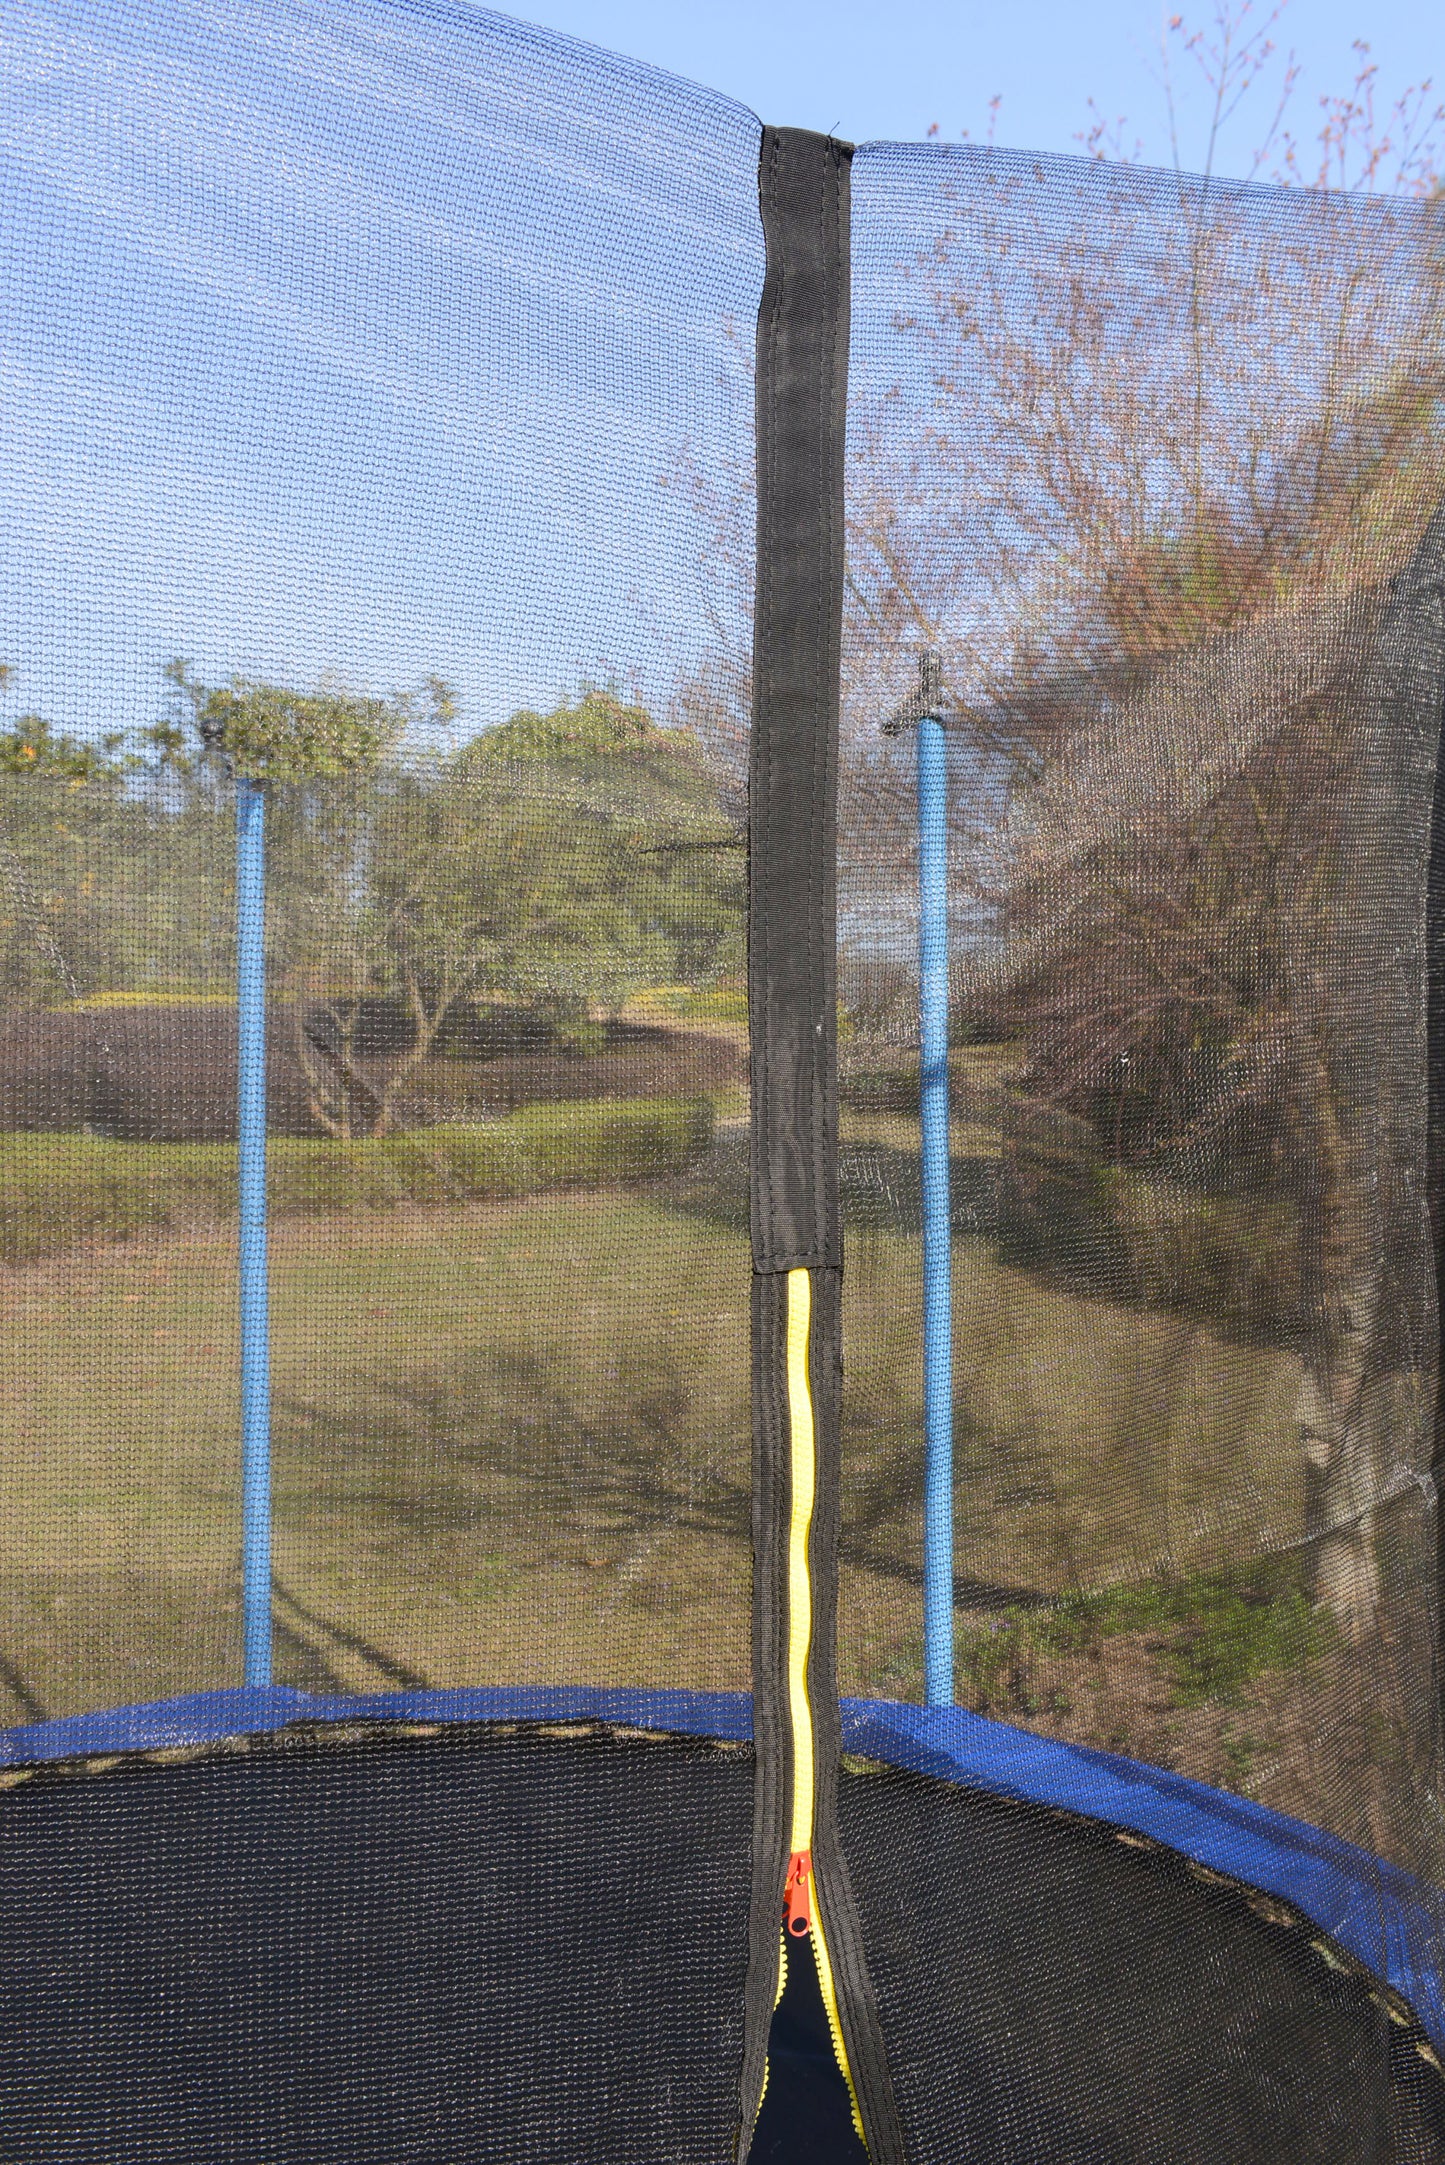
(1340, 1470)
(1343, 1272)
(335, 1087)
(426, 1021)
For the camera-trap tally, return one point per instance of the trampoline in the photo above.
(718, 1125)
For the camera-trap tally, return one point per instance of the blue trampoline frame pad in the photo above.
(1372, 1910)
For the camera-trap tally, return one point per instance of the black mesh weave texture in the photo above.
(398, 1949)
(367, 362)
(1051, 1992)
(1151, 466)
(380, 501)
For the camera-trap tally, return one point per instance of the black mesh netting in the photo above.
(379, 504)
(349, 1948)
(1085, 1997)
(1151, 465)
(365, 364)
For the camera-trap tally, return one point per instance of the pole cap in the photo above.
(926, 705)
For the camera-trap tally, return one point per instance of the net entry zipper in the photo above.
(802, 1910)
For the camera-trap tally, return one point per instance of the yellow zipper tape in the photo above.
(803, 1457)
(803, 1454)
(830, 2007)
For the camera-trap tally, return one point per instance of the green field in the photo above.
(512, 1444)
(1094, 1442)
(512, 1441)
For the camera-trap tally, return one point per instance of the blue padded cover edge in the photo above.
(1376, 1912)
(1381, 1915)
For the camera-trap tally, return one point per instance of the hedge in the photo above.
(58, 1190)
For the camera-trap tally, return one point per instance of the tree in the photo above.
(1140, 454)
(632, 857)
(69, 824)
(317, 753)
(1213, 954)
(270, 733)
(560, 860)
(1190, 482)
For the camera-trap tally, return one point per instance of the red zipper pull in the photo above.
(798, 1894)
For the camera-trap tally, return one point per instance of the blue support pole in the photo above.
(937, 1217)
(255, 1303)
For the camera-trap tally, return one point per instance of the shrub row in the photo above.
(151, 1072)
(58, 1190)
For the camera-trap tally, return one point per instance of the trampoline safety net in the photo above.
(720, 1124)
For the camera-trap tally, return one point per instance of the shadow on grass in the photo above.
(500, 1436)
(304, 1661)
(873, 1503)
(501, 1447)
(878, 1186)
(1222, 1259)
(31, 1707)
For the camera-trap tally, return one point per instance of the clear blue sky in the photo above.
(368, 338)
(871, 69)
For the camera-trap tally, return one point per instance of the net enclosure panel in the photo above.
(721, 919)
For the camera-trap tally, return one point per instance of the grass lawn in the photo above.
(1093, 1442)
(512, 1442)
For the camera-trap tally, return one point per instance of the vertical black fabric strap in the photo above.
(772, 1739)
(772, 1797)
(802, 372)
(1427, 598)
(801, 400)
